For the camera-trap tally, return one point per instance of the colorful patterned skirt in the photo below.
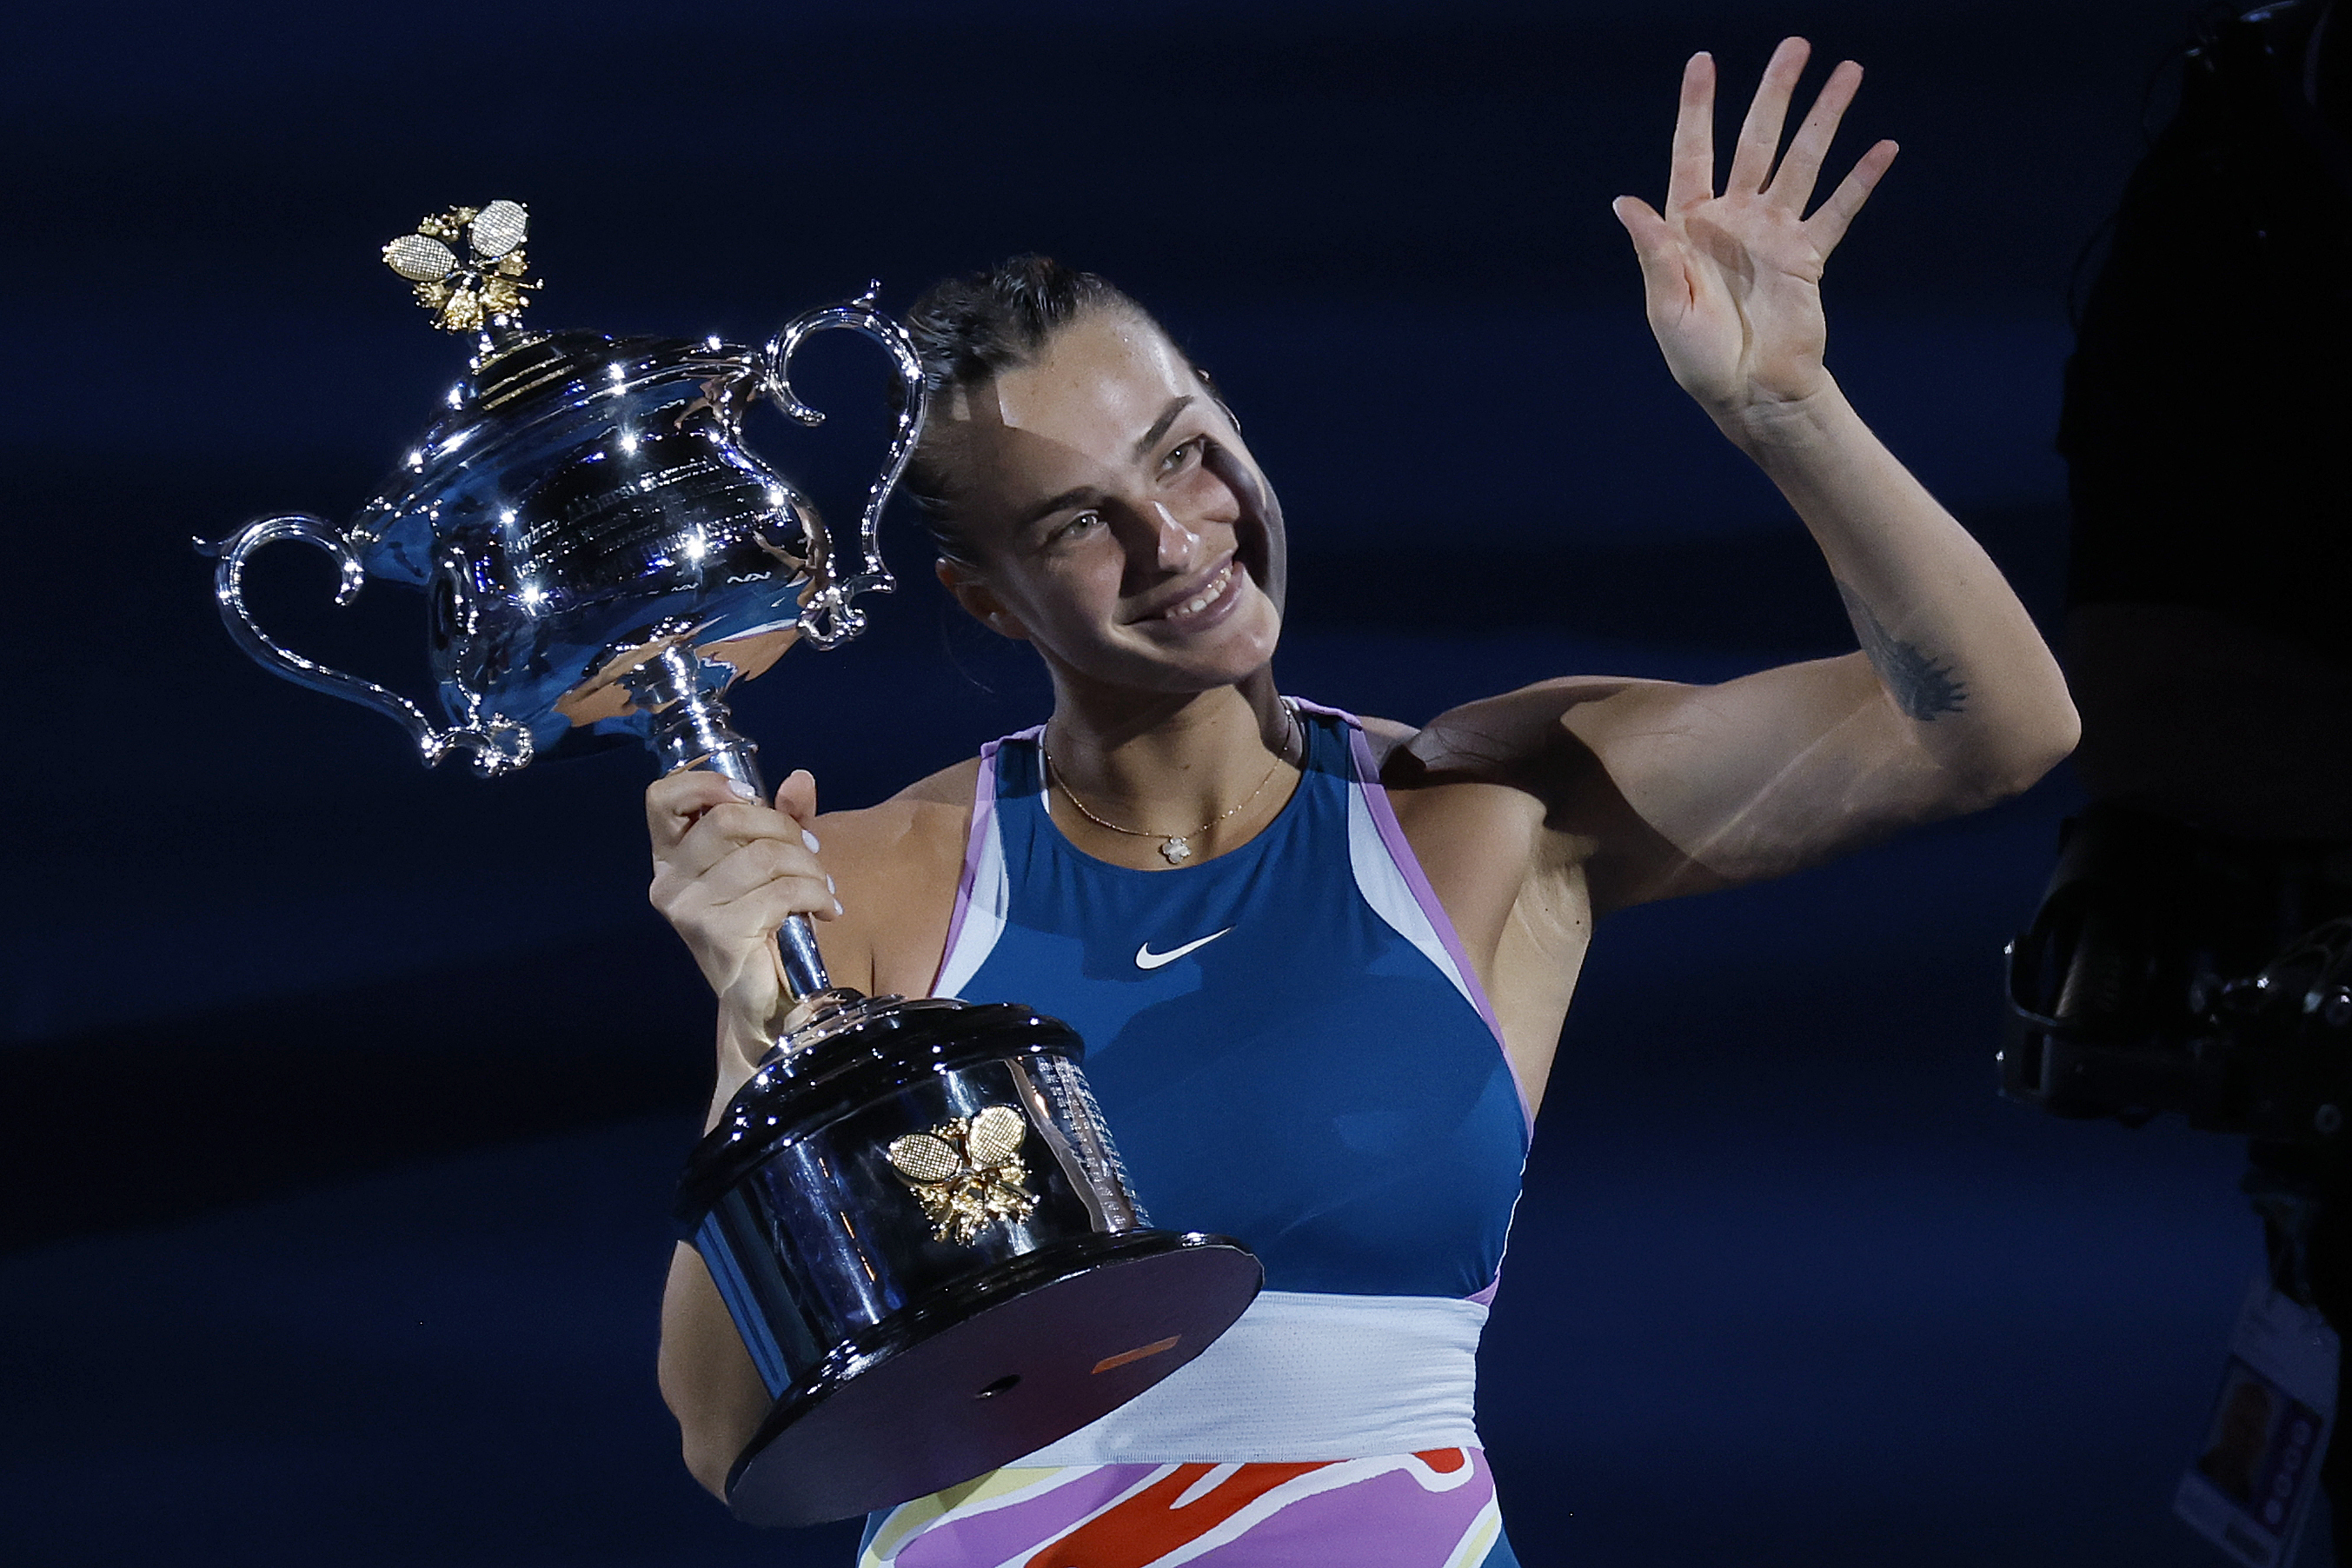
(1430, 1509)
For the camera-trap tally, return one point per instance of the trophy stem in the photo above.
(689, 731)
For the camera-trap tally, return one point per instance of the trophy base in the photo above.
(988, 1370)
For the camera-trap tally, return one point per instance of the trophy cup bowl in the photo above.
(913, 1210)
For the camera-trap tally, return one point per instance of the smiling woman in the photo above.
(1074, 437)
(1322, 962)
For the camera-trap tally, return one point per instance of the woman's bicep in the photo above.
(1751, 779)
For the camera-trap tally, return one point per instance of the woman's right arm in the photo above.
(727, 872)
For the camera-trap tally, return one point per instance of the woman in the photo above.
(1339, 1075)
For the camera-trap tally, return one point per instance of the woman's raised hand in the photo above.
(1733, 281)
(727, 872)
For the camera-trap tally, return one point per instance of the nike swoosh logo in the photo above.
(1147, 959)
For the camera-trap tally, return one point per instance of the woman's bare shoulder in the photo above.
(1385, 736)
(1501, 738)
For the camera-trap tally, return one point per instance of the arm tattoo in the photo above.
(1922, 687)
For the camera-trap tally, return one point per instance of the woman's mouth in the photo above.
(1214, 589)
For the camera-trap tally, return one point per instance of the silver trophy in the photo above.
(913, 1210)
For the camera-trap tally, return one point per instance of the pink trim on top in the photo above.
(1486, 1298)
(1376, 800)
(983, 823)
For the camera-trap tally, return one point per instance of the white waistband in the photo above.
(1304, 1377)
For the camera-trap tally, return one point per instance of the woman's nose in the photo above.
(1179, 547)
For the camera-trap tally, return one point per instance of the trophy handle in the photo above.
(498, 747)
(829, 617)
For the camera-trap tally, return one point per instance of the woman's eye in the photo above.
(1180, 455)
(1075, 527)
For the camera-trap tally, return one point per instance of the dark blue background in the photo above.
(340, 1100)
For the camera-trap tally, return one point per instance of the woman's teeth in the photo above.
(1208, 595)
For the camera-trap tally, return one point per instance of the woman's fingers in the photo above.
(1690, 178)
(1663, 278)
(721, 931)
(675, 803)
(1792, 186)
(765, 863)
(1768, 112)
(721, 829)
(714, 848)
(730, 911)
(796, 798)
(1789, 186)
(1827, 225)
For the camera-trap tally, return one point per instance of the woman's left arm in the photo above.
(1953, 698)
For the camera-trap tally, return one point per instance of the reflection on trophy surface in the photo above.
(913, 1211)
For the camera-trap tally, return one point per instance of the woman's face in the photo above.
(1097, 489)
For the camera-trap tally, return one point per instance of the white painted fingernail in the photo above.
(810, 839)
(742, 791)
(829, 886)
(836, 906)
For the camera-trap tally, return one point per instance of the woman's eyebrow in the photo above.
(1151, 437)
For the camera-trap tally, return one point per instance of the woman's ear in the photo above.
(979, 600)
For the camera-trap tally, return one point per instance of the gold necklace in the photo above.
(1176, 848)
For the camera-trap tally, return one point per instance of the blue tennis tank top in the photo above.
(1287, 1042)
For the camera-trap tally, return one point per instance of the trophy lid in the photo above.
(528, 396)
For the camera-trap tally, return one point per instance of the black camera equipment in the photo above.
(2172, 969)
(2173, 966)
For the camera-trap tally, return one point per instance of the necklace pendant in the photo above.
(1176, 851)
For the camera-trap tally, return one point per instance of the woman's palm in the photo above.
(1733, 280)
